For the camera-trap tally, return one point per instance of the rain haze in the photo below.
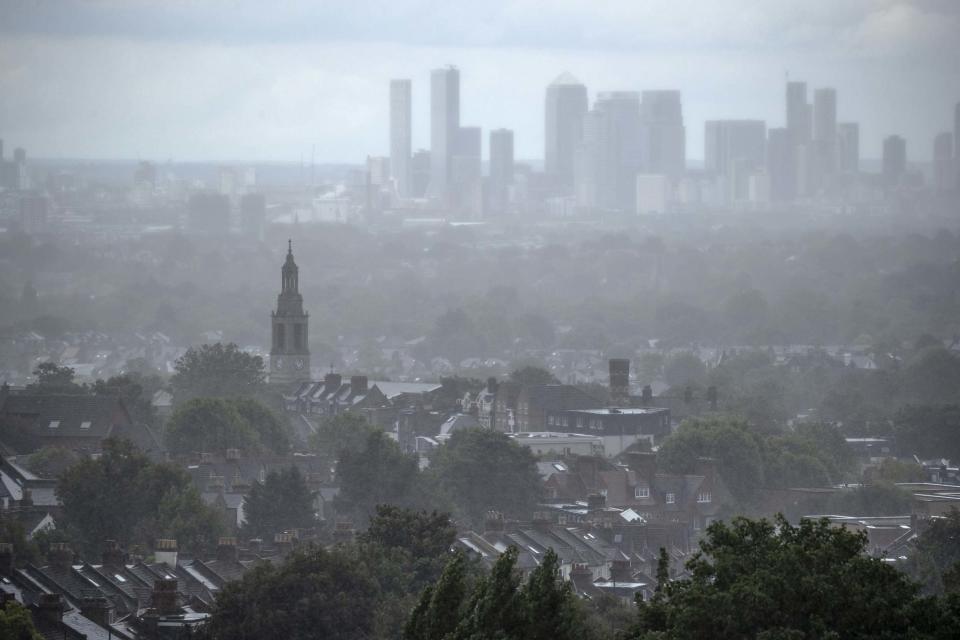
(622, 320)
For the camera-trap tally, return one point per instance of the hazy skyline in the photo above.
(246, 81)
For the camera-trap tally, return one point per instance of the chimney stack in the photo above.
(358, 385)
(97, 609)
(227, 549)
(493, 523)
(50, 607)
(332, 381)
(60, 556)
(620, 381)
(620, 571)
(6, 559)
(596, 502)
(165, 552)
(27, 499)
(112, 554)
(164, 596)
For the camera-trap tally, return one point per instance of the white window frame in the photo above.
(641, 492)
(704, 497)
(671, 498)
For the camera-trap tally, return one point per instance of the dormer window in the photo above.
(704, 496)
(54, 424)
(671, 498)
(641, 492)
(85, 424)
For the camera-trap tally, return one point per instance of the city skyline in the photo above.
(80, 85)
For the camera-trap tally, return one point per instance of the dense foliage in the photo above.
(217, 370)
(15, 623)
(761, 579)
(282, 501)
(124, 496)
(217, 424)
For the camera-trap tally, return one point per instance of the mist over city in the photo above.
(517, 320)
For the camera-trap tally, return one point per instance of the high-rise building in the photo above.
(662, 134)
(465, 192)
(444, 129)
(20, 155)
(734, 150)
(944, 174)
(420, 173)
(501, 169)
(611, 145)
(848, 148)
(781, 165)
(289, 345)
(894, 160)
(566, 106)
(825, 134)
(401, 134)
(956, 131)
(798, 113)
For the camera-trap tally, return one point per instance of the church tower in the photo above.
(289, 354)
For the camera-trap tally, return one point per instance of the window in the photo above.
(641, 492)
(671, 498)
(85, 424)
(54, 424)
(704, 496)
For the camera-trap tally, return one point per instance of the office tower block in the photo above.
(619, 149)
(734, 150)
(420, 173)
(848, 148)
(956, 131)
(944, 173)
(662, 134)
(1, 150)
(566, 106)
(798, 113)
(20, 155)
(894, 160)
(781, 165)
(444, 129)
(401, 134)
(825, 134)
(501, 170)
(466, 174)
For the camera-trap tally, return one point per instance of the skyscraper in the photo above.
(825, 134)
(620, 149)
(465, 183)
(943, 162)
(662, 134)
(501, 169)
(848, 148)
(781, 165)
(894, 160)
(566, 106)
(401, 132)
(444, 129)
(734, 150)
(798, 113)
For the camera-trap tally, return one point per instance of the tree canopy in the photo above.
(217, 370)
(217, 424)
(283, 501)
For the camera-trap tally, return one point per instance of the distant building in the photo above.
(465, 193)
(609, 158)
(825, 135)
(894, 160)
(944, 173)
(566, 106)
(420, 173)
(34, 208)
(501, 170)
(781, 165)
(289, 350)
(444, 129)
(401, 135)
(534, 403)
(848, 148)
(654, 194)
(662, 134)
(618, 428)
(734, 150)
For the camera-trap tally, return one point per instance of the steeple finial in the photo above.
(289, 247)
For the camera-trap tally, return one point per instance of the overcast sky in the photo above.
(234, 80)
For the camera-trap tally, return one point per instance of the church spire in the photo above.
(289, 273)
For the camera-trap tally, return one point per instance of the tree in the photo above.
(881, 499)
(342, 432)
(930, 431)
(495, 609)
(532, 376)
(217, 370)
(283, 501)
(761, 579)
(551, 610)
(119, 497)
(136, 391)
(209, 424)
(273, 432)
(437, 614)
(379, 474)
(684, 369)
(424, 538)
(16, 624)
(51, 462)
(52, 378)
(315, 593)
(934, 563)
(481, 470)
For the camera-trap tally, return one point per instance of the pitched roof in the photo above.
(66, 415)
